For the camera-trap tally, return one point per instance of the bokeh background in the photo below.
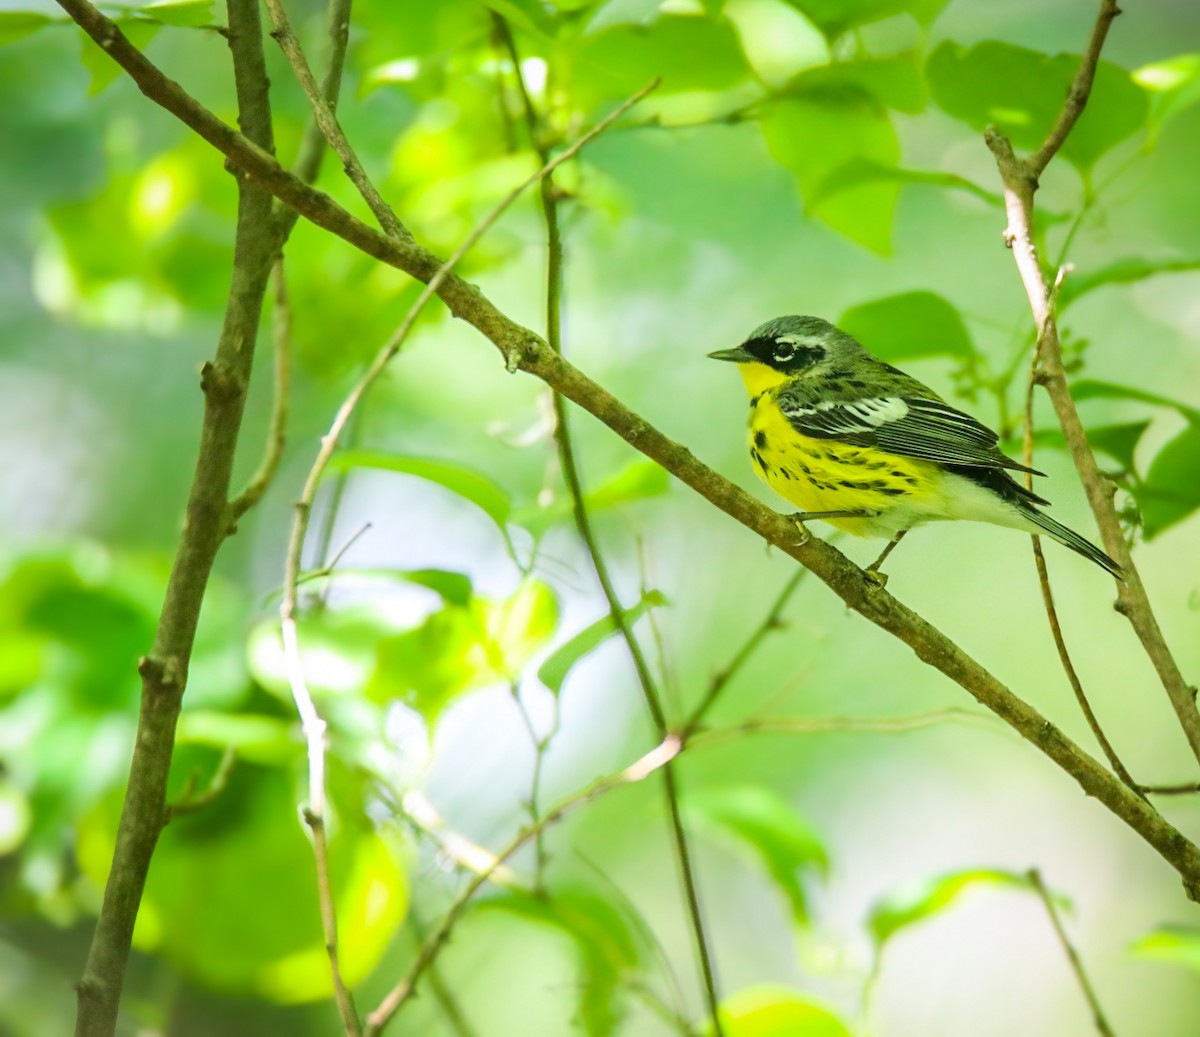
(851, 176)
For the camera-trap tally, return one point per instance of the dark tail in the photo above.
(1069, 538)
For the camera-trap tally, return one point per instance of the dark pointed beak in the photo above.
(737, 355)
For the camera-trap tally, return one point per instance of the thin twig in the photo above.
(1170, 790)
(1102, 1026)
(522, 350)
(1081, 88)
(314, 728)
(539, 743)
(441, 990)
(652, 761)
(341, 993)
(312, 144)
(327, 120)
(583, 525)
(1020, 179)
(835, 725)
(1039, 557)
(772, 621)
(189, 801)
(281, 341)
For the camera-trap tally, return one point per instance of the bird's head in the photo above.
(789, 347)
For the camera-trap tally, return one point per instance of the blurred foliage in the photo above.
(864, 109)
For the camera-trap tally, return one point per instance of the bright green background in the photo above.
(852, 182)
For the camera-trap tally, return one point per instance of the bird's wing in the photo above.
(911, 426)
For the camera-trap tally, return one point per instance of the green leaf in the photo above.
(1171, 489)
(688, 53)
(1117, 441)
(774, 1011)
(763, 822)
(851, 126)
(454, 588)
(929, 898)
(256, 929)
(1177, 945)
(1021, 92)
(638, 480)
(337, 651)
(1124, 271)
(860, 171)
(102, 67)
(605, 943)
(257, 738)
(190, 13)
(530, 15)
(895, 82)
(15, 25)
(458, 649)
(1091, 389)
(553, 672)
(1173, 85)
(467, 483)
(912, 324)
(834, 17)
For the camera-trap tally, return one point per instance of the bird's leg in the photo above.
(798, 519)
(872, 570)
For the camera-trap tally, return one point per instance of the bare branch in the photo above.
(1020, 179)
(772, 621)
(224, 382)
(1039, 557)
(323, 113)
(1102, 1026)
(281, 341)
(1081, 88)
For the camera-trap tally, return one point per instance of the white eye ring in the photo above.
(784, 351)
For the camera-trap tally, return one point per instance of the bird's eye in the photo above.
(784, 351)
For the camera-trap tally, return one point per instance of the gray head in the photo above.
(794, 345)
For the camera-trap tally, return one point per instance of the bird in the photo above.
(850, 439)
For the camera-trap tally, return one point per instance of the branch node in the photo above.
(218, 383)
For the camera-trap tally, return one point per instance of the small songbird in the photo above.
(856, 442)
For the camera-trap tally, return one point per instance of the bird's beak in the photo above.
(737, 355)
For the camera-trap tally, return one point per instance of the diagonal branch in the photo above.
(525, 351)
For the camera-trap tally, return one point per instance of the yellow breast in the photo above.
(823, 475)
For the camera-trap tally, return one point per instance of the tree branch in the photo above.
(326, 120)
(224, 381)
(281, 342)
(1020, 179)
(1081, 88)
